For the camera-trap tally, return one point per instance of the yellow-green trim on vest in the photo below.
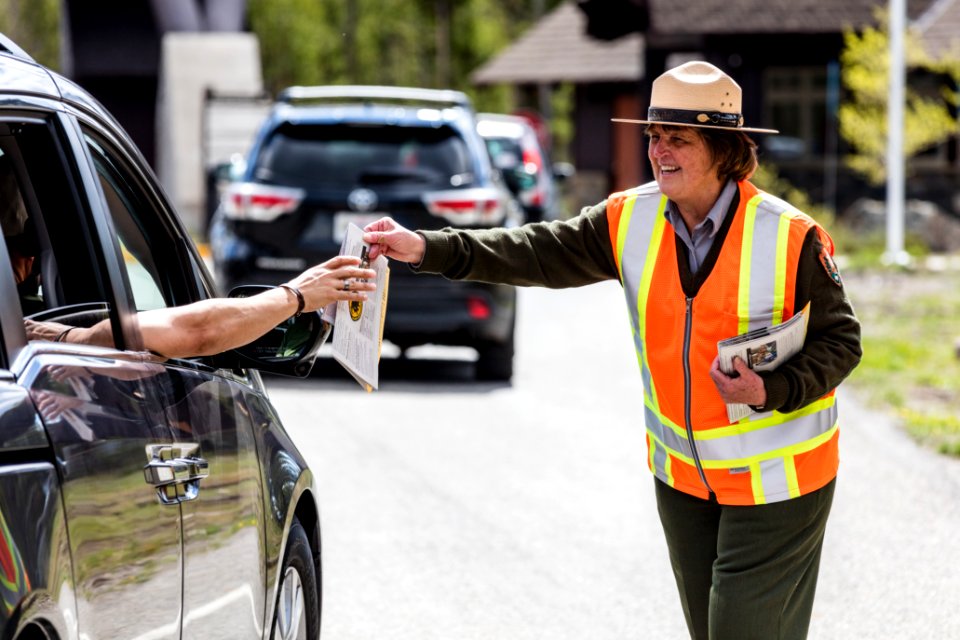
(783, 239)
(727, 447)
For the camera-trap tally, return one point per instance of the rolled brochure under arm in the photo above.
(763, 349)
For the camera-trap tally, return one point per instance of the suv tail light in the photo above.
(467, 206)
(532, 160)
(260, 202)
(533, 164)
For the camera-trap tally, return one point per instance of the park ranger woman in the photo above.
(703, 255)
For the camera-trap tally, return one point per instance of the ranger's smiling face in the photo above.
(683, 167)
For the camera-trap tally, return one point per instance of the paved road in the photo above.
(456, 510)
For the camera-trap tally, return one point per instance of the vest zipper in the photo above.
(687, 400)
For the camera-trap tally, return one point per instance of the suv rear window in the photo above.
(345, 156)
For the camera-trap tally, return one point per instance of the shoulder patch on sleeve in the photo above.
(830, 267)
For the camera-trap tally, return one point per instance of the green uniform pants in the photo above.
(745, 573)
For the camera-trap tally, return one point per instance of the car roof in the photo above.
(22, 75)
(501, 125)
(373, 104)
(376, 93)
(371, 114)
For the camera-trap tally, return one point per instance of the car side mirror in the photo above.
(519, 179)
(289, 349)
(563, 171)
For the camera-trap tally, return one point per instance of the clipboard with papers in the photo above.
(358, 325)
(763, 349)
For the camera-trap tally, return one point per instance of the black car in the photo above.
(139, 497)
(330, 156)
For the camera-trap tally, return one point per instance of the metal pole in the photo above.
(895, 253)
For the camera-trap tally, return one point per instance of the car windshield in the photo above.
(505, 152)
(313, 156)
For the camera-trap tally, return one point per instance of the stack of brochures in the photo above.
(763, 349)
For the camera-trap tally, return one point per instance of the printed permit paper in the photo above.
(358, 325)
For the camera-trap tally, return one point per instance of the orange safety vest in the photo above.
(765, 457)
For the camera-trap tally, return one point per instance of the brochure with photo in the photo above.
(763, 349)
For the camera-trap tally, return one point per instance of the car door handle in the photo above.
(175, 472)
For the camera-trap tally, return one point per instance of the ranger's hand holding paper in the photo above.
(387, 238)
(740, 357)
(745, 388)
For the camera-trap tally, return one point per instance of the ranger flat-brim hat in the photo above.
(696, 94)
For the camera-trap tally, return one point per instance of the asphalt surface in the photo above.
(457, 510)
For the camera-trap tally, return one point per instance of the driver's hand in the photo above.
(43, 330)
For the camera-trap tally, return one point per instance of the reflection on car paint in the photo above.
(14, 582)
(125, 545)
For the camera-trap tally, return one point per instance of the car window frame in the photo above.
(191, 280)
(45, 114)
(126, 332)
(12, 333)
(196, 285)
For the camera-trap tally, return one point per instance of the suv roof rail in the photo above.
(9, 46)
(375, 92)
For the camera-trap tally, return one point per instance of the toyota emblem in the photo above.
(362, 200)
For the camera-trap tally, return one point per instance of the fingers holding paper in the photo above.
(337, 279)
(388, 238)
(745, 386)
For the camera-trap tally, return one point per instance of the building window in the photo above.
(795, 101)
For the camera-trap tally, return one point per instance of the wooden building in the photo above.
(783, 53)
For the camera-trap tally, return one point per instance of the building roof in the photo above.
(768, 16)
(939, 27)
(558, 49)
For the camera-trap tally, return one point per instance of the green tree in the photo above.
(35, 26)
(427, 43)
(928, 119)
(299, 41)
(424, 43)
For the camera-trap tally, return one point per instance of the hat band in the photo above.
(688, 116)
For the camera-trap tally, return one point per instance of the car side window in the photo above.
(45, 222)
(20, 237)
(131, 217)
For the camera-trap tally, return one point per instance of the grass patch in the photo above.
(911, 335)
(910, 367)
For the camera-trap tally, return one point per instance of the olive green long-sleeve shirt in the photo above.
(577, 252)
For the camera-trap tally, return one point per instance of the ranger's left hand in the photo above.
(746, 386)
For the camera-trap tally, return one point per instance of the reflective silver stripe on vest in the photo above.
(788, 430)
(773, 477)
(751, 442)
(660, 463)
(763, 278)
(646, 204)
